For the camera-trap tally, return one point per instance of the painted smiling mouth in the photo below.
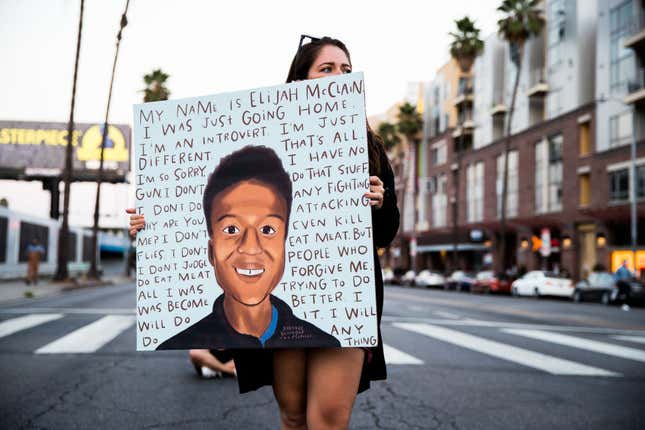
(249, 272)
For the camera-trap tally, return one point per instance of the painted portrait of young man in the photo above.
(247, 204)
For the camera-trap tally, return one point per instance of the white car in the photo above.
(408, 278)
(388, 275)
(538, 283)
(426, 278)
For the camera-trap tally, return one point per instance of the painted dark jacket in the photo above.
(286, 331)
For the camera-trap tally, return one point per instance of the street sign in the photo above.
(545, 246)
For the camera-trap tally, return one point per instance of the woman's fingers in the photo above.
(130, 210)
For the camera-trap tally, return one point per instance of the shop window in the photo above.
(619, 185)
(585, 189)
(585, 142)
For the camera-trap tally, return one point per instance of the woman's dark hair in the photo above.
(299, 71)
(257, 163)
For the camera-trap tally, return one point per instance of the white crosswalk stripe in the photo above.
(91, 337)
(396, 356)
(581, 343)
(525, 357)
(15, 325)
(635, 339)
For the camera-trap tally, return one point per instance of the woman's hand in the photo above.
(376, 192)
(137, 222)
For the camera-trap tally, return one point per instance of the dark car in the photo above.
(460, 281)
(599, 286)
(487, 282)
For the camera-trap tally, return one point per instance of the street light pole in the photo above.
(632, 189)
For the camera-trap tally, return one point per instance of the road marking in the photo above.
(22, 323)
(525, 357)
(636, 339)
(89, 311)
(581, 343)
(89, 338)
(443, 314)
(395, 356)
(503, 324)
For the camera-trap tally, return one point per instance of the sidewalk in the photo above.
(16, 289)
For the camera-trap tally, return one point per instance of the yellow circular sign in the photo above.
(115, 149)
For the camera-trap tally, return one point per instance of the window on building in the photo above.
(620, 129)
(475, 192)
(555, 173)
(554, 102)
(640, 182)
(513, 184)
(584, 139)
(584, 185)
(439, 202)
(556, 29)
(439, 153)
(619, 185)
(548, 174)
(622, 66)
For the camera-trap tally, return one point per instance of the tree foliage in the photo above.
(466, 44)
(409, 122)
(521, 20)
(389, 134)
(156, 89)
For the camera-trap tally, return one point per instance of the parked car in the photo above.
(398, 274)
(388, 275)
(426, 278)
(408, 278)
(599, 286)
(459, 280)
(542, 283)
(487, 282)
(630, 291)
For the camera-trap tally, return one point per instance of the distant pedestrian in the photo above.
(35, 252)
(622, 277)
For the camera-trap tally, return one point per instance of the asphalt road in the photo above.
(456, 361)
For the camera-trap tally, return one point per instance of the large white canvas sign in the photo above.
(258, 233)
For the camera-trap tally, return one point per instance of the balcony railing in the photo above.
(635, 23)
(499, 103)
(636, 88)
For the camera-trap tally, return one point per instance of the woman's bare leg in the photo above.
(333, 375)
(289, 387)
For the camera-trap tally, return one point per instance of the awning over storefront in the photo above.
(449, 247)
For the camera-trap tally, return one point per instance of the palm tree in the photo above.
(388, 133)
(409, 125)
(522, 20)
(465, 46)
(155, 86)
(93, 272)
(63, 233)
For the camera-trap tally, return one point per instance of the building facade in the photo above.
(576, 165)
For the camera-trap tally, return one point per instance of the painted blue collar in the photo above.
(272, 326)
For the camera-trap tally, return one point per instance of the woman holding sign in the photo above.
(316, 387)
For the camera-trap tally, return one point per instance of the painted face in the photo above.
(247, 245)
(331, 61)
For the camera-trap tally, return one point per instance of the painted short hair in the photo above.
(257, 163)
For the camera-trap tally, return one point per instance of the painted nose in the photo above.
(250, 243)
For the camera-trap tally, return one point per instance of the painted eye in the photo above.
(267, 230)
(231, 229)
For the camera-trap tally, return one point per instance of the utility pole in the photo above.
(63, 233)
(93, 272)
